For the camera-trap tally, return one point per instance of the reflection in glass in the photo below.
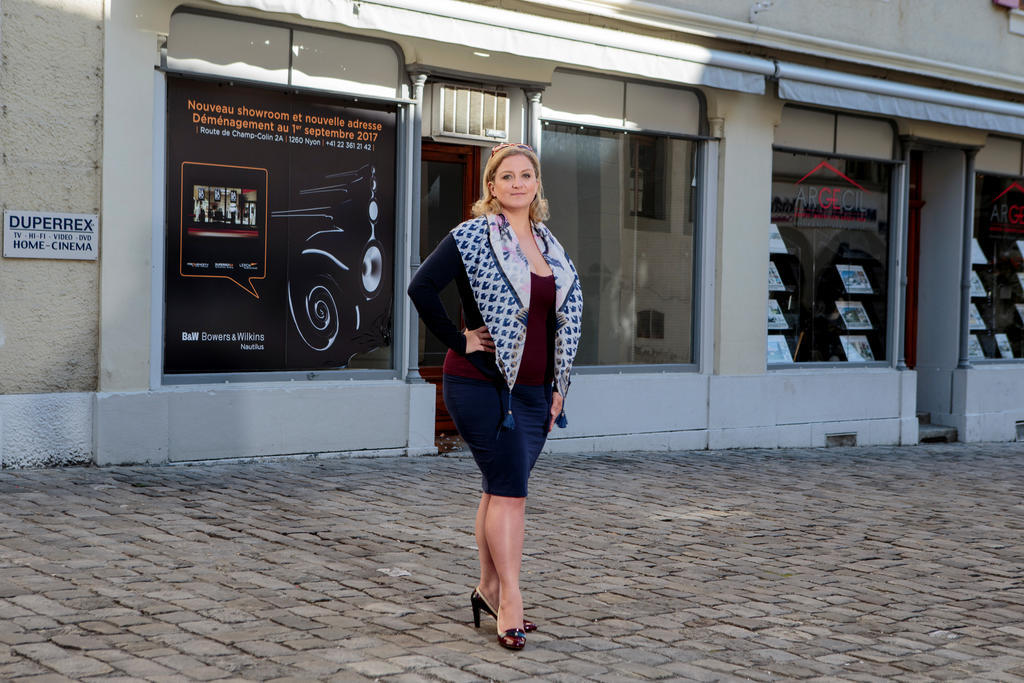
(441, 206)
(622, 205)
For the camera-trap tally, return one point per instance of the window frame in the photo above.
(701, 312)
(897, 218)
(974, 227)
(406, 157)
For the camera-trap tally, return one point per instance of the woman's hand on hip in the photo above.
(556, 409)
(479, 340)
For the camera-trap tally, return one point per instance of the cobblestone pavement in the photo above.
(842, 564)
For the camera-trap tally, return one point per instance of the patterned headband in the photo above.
(506, 145)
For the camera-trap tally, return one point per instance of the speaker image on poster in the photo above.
(337, 269)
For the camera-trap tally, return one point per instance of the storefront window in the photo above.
(622, 205)
(997, 269)
(280, 236)
(828, 271)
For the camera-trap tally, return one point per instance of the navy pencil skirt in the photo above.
(505, 457)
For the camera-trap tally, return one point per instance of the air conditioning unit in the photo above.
(470, 113)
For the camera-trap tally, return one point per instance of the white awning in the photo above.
(566, 43)
(862, 94)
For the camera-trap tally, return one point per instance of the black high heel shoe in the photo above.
(512, 639)
(480, 604)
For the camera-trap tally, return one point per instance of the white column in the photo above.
(533, 118)
(412, 372)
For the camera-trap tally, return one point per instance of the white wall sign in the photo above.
(42, 234)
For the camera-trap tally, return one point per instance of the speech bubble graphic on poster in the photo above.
(223, 230)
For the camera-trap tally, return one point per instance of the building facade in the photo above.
(789, 231)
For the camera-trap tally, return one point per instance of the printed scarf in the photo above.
(499, 274)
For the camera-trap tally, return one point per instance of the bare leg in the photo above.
(504, 527)
(489, 583)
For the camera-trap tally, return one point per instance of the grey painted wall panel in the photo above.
(939, 283)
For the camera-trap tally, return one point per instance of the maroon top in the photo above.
(533, 370)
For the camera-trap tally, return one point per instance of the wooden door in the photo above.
(450, 184)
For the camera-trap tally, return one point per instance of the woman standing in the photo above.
(506, 374)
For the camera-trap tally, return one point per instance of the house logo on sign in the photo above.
(836, 202)
(1006, 216)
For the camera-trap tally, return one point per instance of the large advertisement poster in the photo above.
(280, 229)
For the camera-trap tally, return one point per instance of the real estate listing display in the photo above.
(1003, 344)
(978, 289)
(855, 280)
(997, 263)
(977, 254)
(775, 282)
(829, 244)
(776, 245)
(974, 348)
(776, 319)
(280, 234)
(853, 315)
(974, 318)
(856, 348)
(777, 350)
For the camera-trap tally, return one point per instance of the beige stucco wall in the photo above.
(968, 34)
(51, 90)
(126, 244)
(746, 125)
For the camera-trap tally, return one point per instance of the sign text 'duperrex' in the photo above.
(42, 234)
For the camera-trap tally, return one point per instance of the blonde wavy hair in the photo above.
(488, 203)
